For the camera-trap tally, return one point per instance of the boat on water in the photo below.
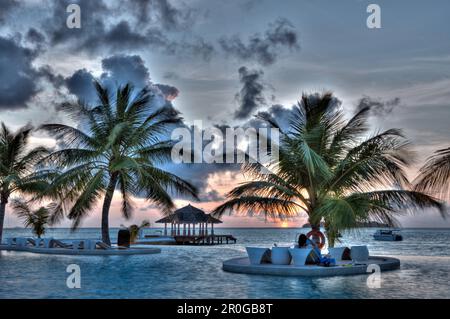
(388, 235)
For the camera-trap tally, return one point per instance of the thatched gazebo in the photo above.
(187, 216)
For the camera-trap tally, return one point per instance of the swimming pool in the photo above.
(195, 271)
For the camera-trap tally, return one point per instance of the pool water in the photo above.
(196, 271)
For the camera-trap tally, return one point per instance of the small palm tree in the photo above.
(329, 169)
(119, 148)
(17, 166)
(37, 219)
(135, 229)
(434, 176)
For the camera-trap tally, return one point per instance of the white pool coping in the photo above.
(83, 252)
(242, 265)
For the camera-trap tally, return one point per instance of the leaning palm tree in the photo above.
(119, 148)
(17, 166)
(434, 176)
(37, 219)
(330, 169)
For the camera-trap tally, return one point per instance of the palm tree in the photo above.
(119, 147)
(37, 219)
(17, 166)
(329, 169)
(434, 176)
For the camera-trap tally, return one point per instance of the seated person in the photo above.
(305, 242)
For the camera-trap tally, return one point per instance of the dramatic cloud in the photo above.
(18, 78)
(251, 95)
(263, 49)
(377, 106)
(170, 92)
(34, 36)
(162, 12)
(157, 22)
(126, 68)
(6, 6)
(117, 70)
(80, 84)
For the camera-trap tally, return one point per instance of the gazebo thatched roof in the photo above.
(189, 215)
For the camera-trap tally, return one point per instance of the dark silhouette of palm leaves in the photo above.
(332, 170)
(434, 176)
(17, 166)
(120, 145)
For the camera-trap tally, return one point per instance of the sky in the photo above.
(222, 62)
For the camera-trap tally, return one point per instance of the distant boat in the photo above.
(387, 235)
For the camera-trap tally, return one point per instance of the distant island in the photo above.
(361, 225)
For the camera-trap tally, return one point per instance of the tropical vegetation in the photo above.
(37, 219)
(333, 170)
(18, 160)
(118, 145)
(434, 176)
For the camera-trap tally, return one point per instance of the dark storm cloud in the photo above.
(100, 34)
(162, 12)
(18, 78)
(34, 36)
(170, 92)
(51, 76)
(251, 94)
(264, 48)
(126, 68)
(80, 84)
(119, 70)
(377, 106)
(6, 6)
(211, 196)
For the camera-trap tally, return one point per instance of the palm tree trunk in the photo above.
(106, 206)
(3, 202)
(2, 218)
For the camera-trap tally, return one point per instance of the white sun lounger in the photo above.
(257, 255)
(280, 256)
(359, 253)
(24, 241)
(302, 255)
(11, 241)
(336, 252)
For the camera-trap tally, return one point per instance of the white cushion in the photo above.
(336, 252)
(301, 255)
(256, 254)
(359, 253)
(280, 256)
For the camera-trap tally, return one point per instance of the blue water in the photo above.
(195, 271)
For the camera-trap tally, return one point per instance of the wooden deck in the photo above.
(204, 239)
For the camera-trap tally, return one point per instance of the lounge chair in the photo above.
(102, 245)
(336, 252)
(24, 241)
(11, 241)
(280, 256)
(258, 255)
(301, 256)
(38, 241)
(359, 253)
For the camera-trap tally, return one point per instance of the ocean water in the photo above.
(196, 271)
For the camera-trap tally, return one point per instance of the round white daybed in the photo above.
(243, 265)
